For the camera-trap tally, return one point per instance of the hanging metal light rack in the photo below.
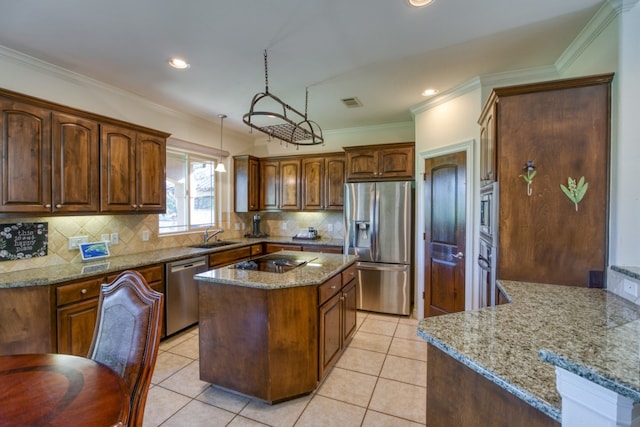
(280, 120)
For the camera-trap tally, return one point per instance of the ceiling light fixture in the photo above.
(178, 63)
(220, 165)
(429, 92)
(420, 3)
(293, 128)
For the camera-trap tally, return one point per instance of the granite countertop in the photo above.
(591, 332)
(314, 272)
(54, 274)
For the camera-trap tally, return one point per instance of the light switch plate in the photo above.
(74, 242)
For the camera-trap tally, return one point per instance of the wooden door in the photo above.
(150, 173)
(76, 324)
(290, 185)
(445, 196)
(313, 183)
(330, 334)
(118, 177)
(335, 168)
(269, 173)
(25, 168)
(76, 167)
(253, 189)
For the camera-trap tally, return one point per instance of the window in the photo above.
(191, 193)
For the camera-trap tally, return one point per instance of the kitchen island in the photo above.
(272, 335)
(495, 366)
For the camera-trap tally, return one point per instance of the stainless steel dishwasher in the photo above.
(182, 293)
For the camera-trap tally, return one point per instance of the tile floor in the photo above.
(380, 380)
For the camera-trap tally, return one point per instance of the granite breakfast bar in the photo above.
(504, 356)
(271, 335)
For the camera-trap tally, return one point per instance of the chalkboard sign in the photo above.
(23, 240)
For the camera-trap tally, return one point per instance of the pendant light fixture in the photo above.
(220, 166)
(279, 120)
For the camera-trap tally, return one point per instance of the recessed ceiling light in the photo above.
(420, 3)
(178, 63)
(429, 92)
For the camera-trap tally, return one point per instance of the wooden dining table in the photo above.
(60, 390)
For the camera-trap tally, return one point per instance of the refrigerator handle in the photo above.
(375, 227)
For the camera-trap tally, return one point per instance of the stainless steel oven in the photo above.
(488, 211)
(487, 273)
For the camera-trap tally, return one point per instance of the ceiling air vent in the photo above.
(352, 102)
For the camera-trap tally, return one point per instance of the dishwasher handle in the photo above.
(194, 263)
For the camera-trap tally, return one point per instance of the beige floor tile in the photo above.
(409, 348)
(168, 364)
(381, 327)
(384, 317)
(162, 404)
(186, 381)
(369, 341)
(365, 361)
(405, 370)
(170, 342)
(401, 400)
(408, 321)
(327, 412)
(187, 348)
(224, 399)
(282, 414)
(199, 414)
(377, 419)
(409, 332)
(348, 386)
(239, 421)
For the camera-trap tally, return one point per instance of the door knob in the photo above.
(459, 255)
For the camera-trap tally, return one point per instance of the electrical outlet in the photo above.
(284, 225)
(630, 287)
(237, 226)
(330, 228)
(105, 238)
(74, 242)
(145, 236)
(115, 239)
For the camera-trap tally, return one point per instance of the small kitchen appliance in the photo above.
(256, 228)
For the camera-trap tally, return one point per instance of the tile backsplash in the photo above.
(130, 230)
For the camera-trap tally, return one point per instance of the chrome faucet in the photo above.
(214, 233)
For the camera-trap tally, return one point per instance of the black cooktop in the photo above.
(274, 263)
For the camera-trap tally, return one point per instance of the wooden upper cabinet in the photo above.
(488, 142)
(323, 182)
(150, 173)
(56, 159)
(76, 164)
(280, 184)
(25, 165)
(381, 162)
(133, 171)
(246, 183)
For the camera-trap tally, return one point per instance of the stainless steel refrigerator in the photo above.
(378, 228)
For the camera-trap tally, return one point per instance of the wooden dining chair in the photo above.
(127, 335)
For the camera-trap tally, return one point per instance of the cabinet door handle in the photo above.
(83, 291)
(134, 206)
(48, 205)
(58, 206)
(459, 255)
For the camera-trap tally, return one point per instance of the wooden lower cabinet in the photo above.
(336, 318)
(77, 308)
(276, 247)
(222, 258)
(458, 396)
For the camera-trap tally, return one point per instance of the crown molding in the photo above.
(446, 96)
(361, 129)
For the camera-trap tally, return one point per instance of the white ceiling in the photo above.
(381, 51)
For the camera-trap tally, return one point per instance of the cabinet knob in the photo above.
(58, 206)
(83, 291)
(48, 205)
(134, 206)
(141, 206)
(333, 287)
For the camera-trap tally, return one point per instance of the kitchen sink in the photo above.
(212, 244)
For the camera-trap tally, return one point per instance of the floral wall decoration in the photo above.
(575, 191)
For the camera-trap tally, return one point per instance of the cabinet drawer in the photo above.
(348, 274)
(78, 291)
(227, 257)
(256, 249)
(154, 273)
(329, 288)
